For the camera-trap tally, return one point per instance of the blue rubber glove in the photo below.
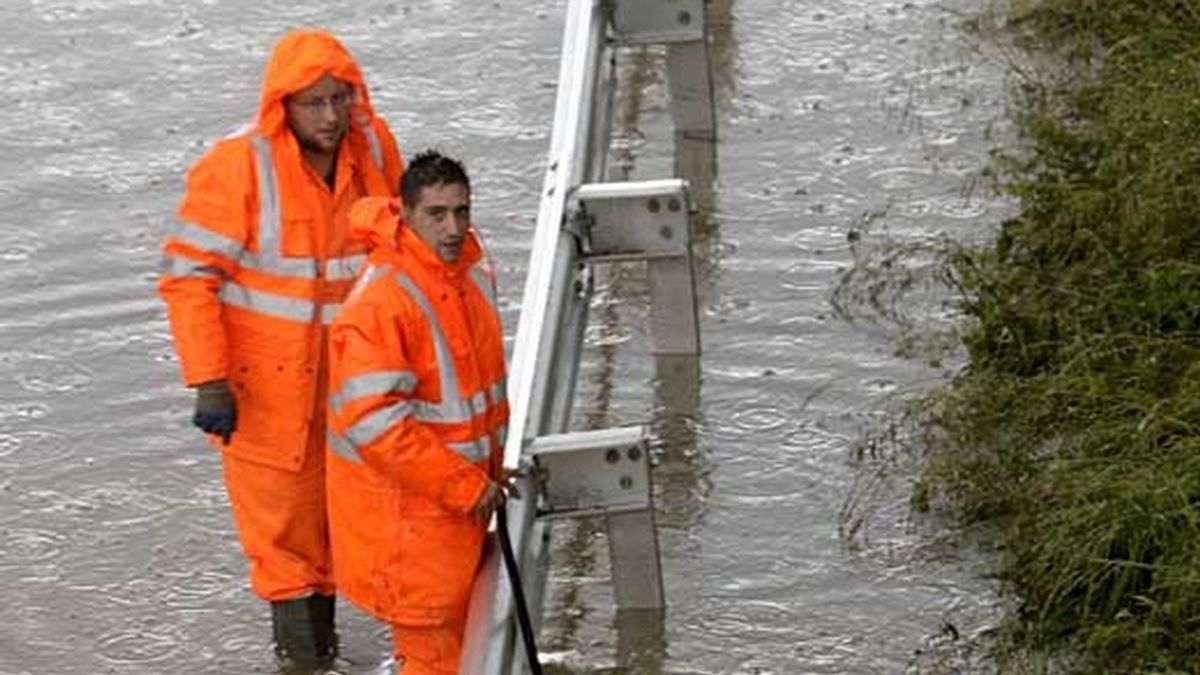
(216, 410)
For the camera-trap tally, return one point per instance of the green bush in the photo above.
(1075, 427)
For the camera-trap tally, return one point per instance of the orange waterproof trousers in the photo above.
(280, 518)
(429, 650)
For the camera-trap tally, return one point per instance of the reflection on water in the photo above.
(641, 641)
(116, 550)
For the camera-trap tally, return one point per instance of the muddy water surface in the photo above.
(117, 554)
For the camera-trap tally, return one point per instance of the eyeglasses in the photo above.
(340, 102)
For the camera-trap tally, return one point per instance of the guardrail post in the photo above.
(689, 77)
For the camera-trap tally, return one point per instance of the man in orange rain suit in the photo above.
(252, 274)
(418, 414)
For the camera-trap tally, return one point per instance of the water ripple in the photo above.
(139, 592)
(29, 546)
(140, 645)
(118, 506)
(48, 374)
(35, 447)
(759, 419)
(199, 589)
(17, 252)
(235, 639)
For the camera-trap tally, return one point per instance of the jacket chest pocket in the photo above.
(299, 238)
(273, 381)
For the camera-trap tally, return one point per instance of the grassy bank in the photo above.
(1074, 430)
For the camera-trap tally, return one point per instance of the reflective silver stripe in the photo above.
(500, 391)
(345, 267)
(270, 222)
(369, 275)
(457, 411)
(446, 370)
(485, 285)
(344, 448)
(472, 451)
(271, 304)
(179, 266)
(479, 403)
(206, 240)
(376, 146)
(270, 218)
(376, 424)
(502, 434)
(329, 313)
(372, 384)
(243, 130)
(300, 268)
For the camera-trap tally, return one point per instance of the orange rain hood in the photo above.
(299, 59)
(376, 221)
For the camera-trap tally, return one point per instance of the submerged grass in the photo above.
(1074, 429)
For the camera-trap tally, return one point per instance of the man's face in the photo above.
(441, 218)
(319, 114)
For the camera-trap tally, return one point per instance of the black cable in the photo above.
(510, 564)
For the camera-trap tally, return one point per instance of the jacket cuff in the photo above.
(197, 376)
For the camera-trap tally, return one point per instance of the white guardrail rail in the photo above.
(584, 221)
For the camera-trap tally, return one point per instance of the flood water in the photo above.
(117, 553)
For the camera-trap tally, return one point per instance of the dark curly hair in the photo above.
(427, 169)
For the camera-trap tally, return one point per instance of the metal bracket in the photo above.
(586, 473)
(578, 224)
(637, 218)
(658, 21)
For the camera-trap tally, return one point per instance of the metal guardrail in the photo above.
(584, 221)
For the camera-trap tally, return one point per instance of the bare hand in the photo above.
(491, 499)
(510, 487)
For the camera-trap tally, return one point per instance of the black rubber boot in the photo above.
(324, 634)
(304, 635)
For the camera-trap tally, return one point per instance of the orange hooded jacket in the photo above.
(262, 258)
(418, 413)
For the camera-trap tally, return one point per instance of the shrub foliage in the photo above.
(1075, 426)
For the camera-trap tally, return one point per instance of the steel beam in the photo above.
(648, 220)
